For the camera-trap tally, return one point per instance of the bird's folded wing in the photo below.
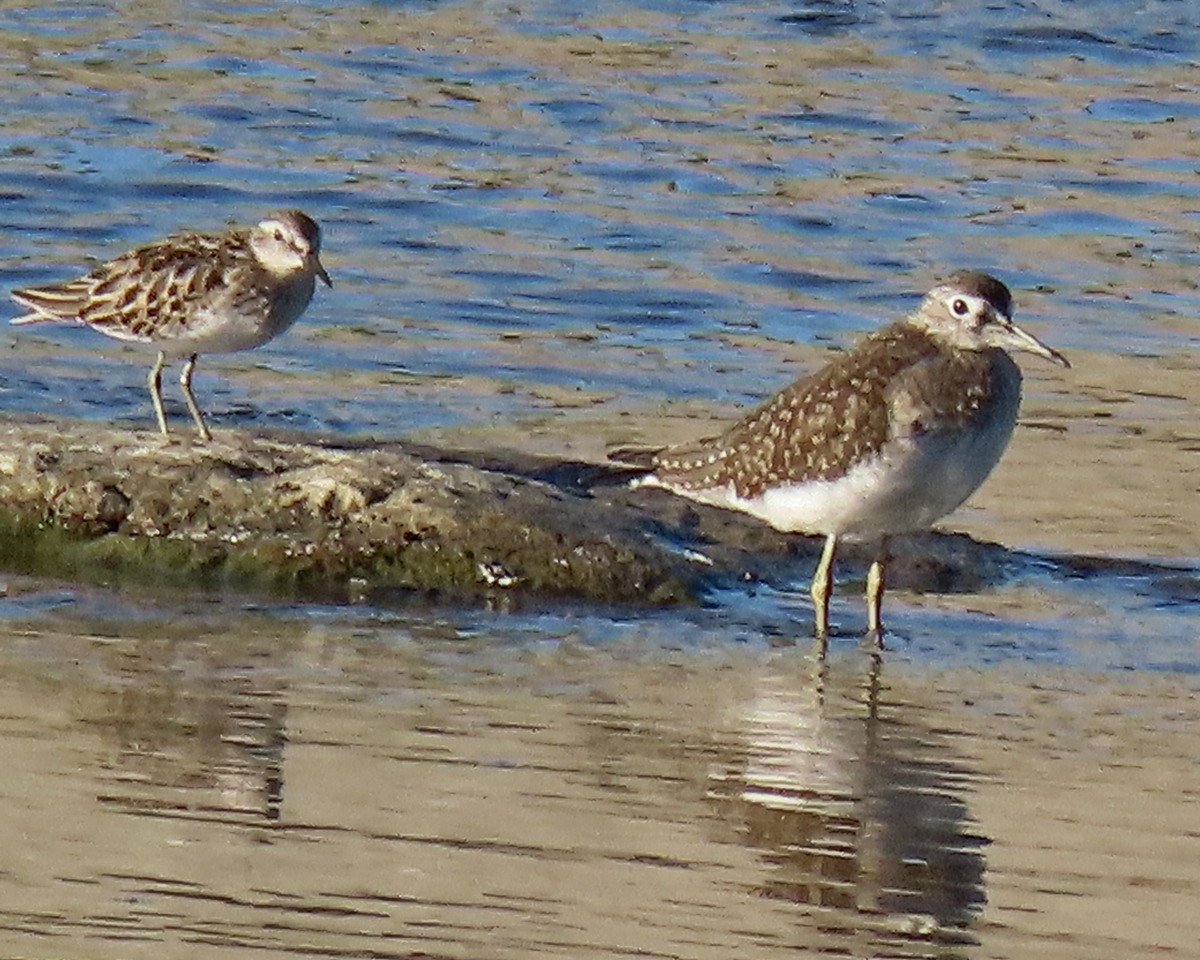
(815, 429)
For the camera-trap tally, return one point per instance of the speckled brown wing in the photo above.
(152, 292)
(814, 429)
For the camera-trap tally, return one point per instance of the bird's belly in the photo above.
(911, 486)
(225, 327)
(230, 336)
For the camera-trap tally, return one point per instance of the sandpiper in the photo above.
(194, 293)
(886, 439)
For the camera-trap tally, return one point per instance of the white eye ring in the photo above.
(960, 307)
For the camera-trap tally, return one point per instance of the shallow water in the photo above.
(334, 783)
(553, 225)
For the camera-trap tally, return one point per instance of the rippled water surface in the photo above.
(552, 220)
(183, 783)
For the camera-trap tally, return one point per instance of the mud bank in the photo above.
(83, 502)
(327, 519)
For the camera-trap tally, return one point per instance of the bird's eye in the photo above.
(960, 307)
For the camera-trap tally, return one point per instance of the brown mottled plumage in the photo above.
(887, 438)
(194, 293)
(145, 295)
(819, 427)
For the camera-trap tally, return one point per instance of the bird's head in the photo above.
(973, 311)
(289, 242)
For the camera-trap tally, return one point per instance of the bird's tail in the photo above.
(633, 457)
(57, 303)
(633, 464)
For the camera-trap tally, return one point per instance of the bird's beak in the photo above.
(1014, 338)
(321, 272)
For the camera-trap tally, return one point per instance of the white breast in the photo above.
(226, 326)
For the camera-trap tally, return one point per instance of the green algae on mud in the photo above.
(263, 516)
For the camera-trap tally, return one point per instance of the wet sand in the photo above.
(418, 792)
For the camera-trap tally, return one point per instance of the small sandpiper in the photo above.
(886, 439)
(194, 293)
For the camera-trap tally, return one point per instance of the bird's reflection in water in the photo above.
(856, 808)
(194, 732)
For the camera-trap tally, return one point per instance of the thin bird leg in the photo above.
(822, 586)
(185, 381)
(875, 584)
(154, 382)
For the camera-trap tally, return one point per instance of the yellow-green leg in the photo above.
(185, 381)
(875, 586)
(822, 587)
(154, 382)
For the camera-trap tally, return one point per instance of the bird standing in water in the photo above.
(886, 439)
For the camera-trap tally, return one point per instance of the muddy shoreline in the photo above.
(315, 520)
(323, 519)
